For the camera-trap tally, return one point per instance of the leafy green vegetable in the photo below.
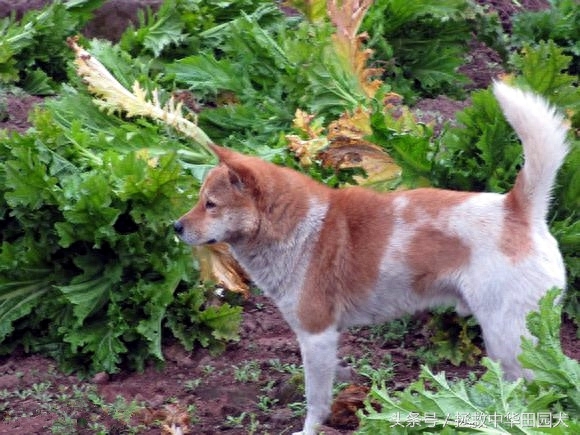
(483, 153)
(94, 220)
(32, 51)
(423, 43)
(552, 369)
(432, 404)
(560, 23)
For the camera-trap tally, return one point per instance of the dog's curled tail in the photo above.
(543, 134)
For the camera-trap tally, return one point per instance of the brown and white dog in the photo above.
(334, 258)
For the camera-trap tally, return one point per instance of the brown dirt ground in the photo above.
(200, 389)
(207, 383)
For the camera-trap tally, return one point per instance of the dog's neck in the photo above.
(276, 264)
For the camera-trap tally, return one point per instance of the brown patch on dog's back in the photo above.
(433, 255)
(346, 258)
(516, 240)
(430, 203)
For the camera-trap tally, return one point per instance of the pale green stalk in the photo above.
(113, 96)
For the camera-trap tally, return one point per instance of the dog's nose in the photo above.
(178, 227)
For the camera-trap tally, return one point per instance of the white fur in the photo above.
(543, 134)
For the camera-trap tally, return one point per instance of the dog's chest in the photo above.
(280, 266)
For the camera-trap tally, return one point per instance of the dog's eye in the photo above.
(209, 204)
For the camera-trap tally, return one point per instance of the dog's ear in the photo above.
(236, 179)
(241, 176)
(223, 154)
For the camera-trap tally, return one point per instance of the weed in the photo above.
(39, 391)
(192, 413)
(298, 408)
(289, 368)
(64, 424)
(238, 422)
(249, 372)
(98, 428)
(207, 369)
(393, 331)
(121, 409)
(191, 384)
(364, 366)
(428, 356)
(266, 403)
(269, 386)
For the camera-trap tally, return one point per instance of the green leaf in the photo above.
(89, 292)
(482, 153)
(223, 320)
(551, 367)
(34, 47)
(542, 69)
(204, 74)
(158, 296)
(412, 151)
(157, 31)
(423, 42)
(313, 10)
(88, 210)
(100, 340)
(37, 82)
(18, 299)
(559, 23)
(28, 181)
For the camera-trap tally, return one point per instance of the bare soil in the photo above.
(207, 392)
(254, 386)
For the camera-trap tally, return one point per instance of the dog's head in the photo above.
(226, 210)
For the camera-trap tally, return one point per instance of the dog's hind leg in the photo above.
(502, 316)
(319, 358)
(502, 333)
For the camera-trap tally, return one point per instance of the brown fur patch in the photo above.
(432, 255)
(516, 239)
(430, 202)
(273, 189)
(345, 261)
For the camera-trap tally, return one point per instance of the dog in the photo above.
(334, 258)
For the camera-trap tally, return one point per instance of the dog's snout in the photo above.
(178, 227)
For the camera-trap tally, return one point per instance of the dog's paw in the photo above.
(298, 433)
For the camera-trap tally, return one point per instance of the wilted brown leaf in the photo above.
(349, 149)
(217, 264)
(304, 122)
(355, 126)
(306, 150)
(173, 419)
(347, 16)
(344, 146)
(345, 406)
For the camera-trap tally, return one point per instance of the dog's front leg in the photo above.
(319, 359)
